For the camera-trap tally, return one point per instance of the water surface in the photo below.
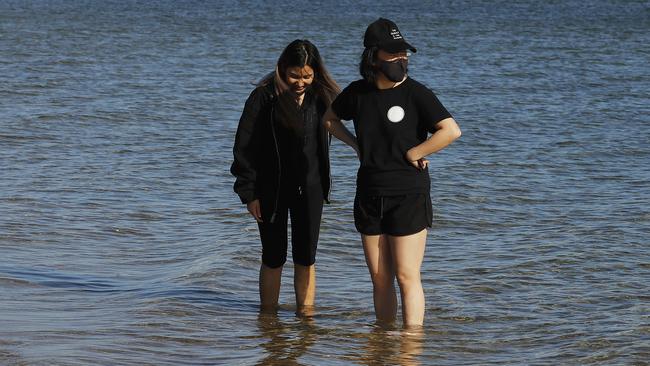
(123, 243)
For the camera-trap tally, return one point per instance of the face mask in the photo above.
(394, 70)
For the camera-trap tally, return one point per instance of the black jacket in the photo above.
(256, 164)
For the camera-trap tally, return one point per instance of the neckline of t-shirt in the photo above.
(395, 87)
(308, 100)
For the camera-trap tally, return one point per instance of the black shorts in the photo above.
(392, 215)
(305, 206)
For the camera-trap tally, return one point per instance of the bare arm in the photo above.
(336, 128)
(447, 131)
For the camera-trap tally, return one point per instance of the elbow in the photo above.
(328, 124)
(456, 133)
(449, 128)
(454, 130)
(328, 119)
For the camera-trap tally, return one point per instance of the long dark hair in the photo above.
(301, 53)
(368, 64)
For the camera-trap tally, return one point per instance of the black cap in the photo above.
(384, 34)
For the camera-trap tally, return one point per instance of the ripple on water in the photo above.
(123, 242)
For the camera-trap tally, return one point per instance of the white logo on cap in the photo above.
(395, 114)
(395, 34)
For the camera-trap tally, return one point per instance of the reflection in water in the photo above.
(412, 341)
(286, 342)
(306, 312)
(389, 346)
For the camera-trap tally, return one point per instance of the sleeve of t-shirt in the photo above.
(430, 108)
(345, 104)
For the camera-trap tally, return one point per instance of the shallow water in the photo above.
(123, 243)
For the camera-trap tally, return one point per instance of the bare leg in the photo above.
(270, 279)
(408, 252)
(304, 283)
(380, 265)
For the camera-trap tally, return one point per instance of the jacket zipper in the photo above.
(277, 151)
(328, 139)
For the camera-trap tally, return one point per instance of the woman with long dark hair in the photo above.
(393, 116)
(281, 165)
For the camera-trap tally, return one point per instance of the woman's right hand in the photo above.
(254, 208)
(420, 164)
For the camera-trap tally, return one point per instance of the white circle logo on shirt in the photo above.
(395, 114)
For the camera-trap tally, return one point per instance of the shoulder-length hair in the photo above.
(368, 64)
(301, 53)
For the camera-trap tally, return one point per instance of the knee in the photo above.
(274, 261)
(303, 254)
(408, 278)
(301, 269)
(382, 281)
(305, 261)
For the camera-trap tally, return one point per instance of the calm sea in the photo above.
(122, 243)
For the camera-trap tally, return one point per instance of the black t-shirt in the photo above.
(298, 145)
(388, 122)
(310, 147)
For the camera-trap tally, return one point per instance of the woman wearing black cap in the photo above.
(393, 116)
(282, 166)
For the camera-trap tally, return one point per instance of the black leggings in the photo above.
(305, 205)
